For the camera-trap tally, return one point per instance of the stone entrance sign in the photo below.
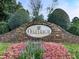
(43, 30)
(38, 31)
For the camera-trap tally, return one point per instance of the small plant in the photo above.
(34, 50)
(77, 54)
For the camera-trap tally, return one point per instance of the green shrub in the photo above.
(18, 18)
(3, 27)
(77, 54)
(74, 28)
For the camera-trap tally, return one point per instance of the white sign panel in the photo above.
(38, 31)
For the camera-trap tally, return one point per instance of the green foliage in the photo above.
(73, 49)
(3, 27)
(77, 55)
(75, 19)
(60, 18)
(20, 17)
(40, 17)
(33, 51)
(11, 6)
(3, 47)
(2, 14)
(8, 7)
(74, 29)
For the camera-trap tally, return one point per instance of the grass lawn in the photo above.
(73, 49)
(3, 47)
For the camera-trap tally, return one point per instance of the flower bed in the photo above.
(50, 51)
(14, 51)
(55, 51)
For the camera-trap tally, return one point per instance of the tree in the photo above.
(40, 17)
(59, 17)
(8, 7)
(3, 27)
(11, 6)
(19, 6)
(74, 29)
(75, 19)
(51, 8)
(75, 22)
(20, 17)
(2, 14)
(36, 6)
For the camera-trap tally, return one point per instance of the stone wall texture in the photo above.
(58, 34)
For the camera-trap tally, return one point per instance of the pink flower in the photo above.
(55, 51)
(14, 51)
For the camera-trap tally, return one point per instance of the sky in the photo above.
(70, 6)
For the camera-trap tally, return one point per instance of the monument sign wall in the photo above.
(43, 30)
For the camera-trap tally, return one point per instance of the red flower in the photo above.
(14, 51)
(55, 51)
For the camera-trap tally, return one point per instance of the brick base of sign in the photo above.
(58, 34)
